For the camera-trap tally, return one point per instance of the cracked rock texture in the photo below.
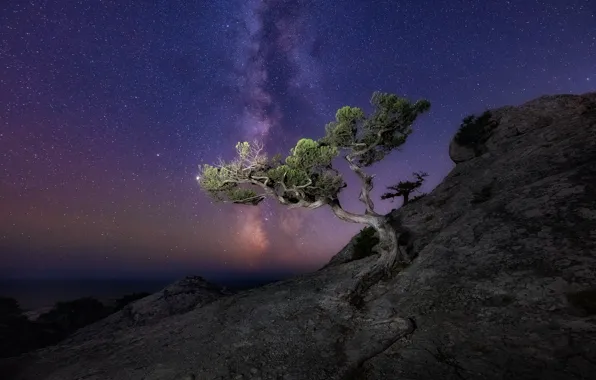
(503, 285)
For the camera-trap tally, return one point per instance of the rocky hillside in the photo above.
(503, 285)
(178, 298)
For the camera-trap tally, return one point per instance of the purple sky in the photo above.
(107, 109)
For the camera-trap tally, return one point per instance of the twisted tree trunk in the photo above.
(388, 253)
(387, 249)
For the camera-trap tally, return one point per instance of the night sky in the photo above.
(107, 108)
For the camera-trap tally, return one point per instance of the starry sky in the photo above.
(107, 108)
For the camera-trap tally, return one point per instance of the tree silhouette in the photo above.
(405, 188)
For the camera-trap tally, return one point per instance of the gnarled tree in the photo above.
(405, 188)
(306, 178)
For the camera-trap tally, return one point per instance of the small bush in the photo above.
(475, 130)
(67, 317)
(19, 335)
(9, 308)
(365, 242)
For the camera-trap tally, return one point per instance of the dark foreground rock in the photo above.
(21, 331)
(178, 298)
(503, 285)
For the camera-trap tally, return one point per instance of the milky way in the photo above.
(107, 109)
(268, 39)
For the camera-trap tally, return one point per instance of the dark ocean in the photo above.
(34, 294)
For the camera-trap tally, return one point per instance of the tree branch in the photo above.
(250, 168)
(367, 180)
(262, 182)
(373, 145)
(347, 216)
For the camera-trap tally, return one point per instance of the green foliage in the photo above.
(290, 176)
(475, 130)
(9, 308)
(212, 180)
(243, 149)
(308, 155)
(306, 168)
(243, 195)
(370, 139)
(343, 131)
(365, 242)
(221, 184)
(306, 177)
(304, 174)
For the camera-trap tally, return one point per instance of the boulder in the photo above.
(177, 298)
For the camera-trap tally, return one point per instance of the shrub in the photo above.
(365, 242)
(72, 315)
(475, 130)
(17, 333)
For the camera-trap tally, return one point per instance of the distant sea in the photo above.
(33, 294)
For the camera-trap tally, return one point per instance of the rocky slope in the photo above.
(178, 298)
(503, 285)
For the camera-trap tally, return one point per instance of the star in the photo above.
(103, 126)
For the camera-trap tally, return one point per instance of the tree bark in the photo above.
(388, 252)
(387, 249)
(367, 186)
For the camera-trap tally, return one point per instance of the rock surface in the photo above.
(503, 285)
(459, 153)
(178, 298)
